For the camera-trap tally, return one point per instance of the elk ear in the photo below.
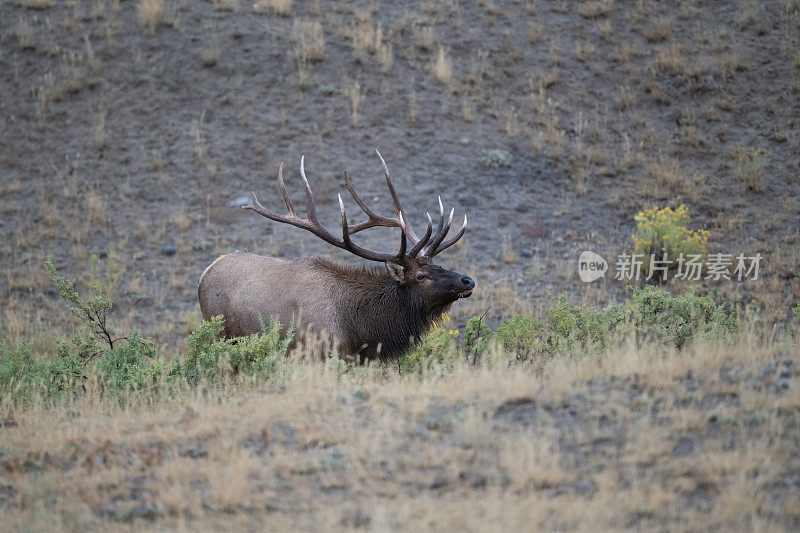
(395, 271)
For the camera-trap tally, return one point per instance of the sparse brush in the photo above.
(670, 59)
(659, 30)
(24, 33)
(38, 4)
(751, 166)
(535, 32)
(356, 101)
(595, 8)
(226, 5)
(424, 37)
(150, 13)
(385, 53)
(211, 47)
(309, 40)
(275, 7)
(442, 66)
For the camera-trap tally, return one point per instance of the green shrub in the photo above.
(256, 356)
(497, 158)
(581, 327)
(127, 366)
(438, 349)
(522, 336)
(677, 320)
(477, 336)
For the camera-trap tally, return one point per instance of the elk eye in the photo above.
(420, 277)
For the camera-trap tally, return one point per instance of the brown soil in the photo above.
(606, 108)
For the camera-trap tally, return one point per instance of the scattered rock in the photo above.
(257, 443)
(526, 252)
(517, 411)
(193, 451)
(440, 483)
(327, 89)
(497, 158)
(355, 519)
(783, 384)
(169, 250)
(240, 201)
(585, 487)
(684, 447)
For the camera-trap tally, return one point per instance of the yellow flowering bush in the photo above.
(664, 231)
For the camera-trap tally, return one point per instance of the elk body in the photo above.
(370, 313)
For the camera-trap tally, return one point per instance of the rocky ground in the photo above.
(132, 134)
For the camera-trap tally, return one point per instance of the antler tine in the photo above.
(282, 185)
(345, 232)
(310, 209)
(403, 242)
(440, 235)
(423, 241)
(408, 230)
(454, 239)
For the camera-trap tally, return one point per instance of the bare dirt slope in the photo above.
(119, 141)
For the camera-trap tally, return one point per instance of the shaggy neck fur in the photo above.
(378, 313)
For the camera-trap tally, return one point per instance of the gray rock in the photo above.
(526, 252)
(240, 201)
(169, 250)
(193, 451)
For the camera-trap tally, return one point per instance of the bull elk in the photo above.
(371, 313)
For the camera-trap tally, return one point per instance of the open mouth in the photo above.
(465, 294)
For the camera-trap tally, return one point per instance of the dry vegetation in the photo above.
(130, 130)
(642, 438)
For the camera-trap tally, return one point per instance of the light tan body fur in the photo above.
(240, 285)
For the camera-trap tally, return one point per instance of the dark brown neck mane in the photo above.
(381, 318)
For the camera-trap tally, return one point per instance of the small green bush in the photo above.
(438, 349)
(677, 320)
(477, 336)
(523, 336)
(581, 327)
(497, 158)
(256, 356)
(126, 367)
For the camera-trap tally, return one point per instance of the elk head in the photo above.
(411, 267)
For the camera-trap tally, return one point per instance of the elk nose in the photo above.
(466, 280)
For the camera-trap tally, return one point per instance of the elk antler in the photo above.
(419, 245)
(312, 223)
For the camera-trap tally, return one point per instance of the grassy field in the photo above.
(130, 130)
(640, 437)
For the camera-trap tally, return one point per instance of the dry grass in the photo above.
(356, 101)
(442, 66)
(309, 40)
(659, 30)
(275, 7)
(150, 13)
(629, 441)
(595, 8)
